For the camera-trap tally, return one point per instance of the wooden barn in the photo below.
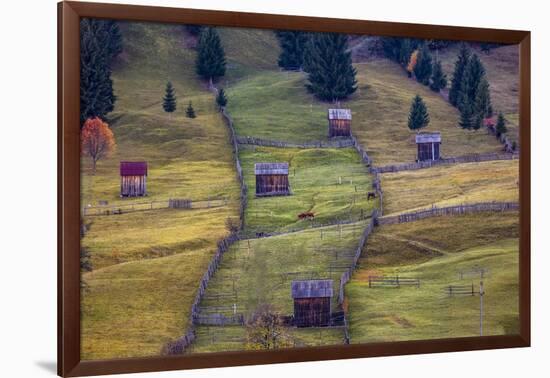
(339, 123)
(271, 179)
(133, 178)
(428, 146)
(312, 302)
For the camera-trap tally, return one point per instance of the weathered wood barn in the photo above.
(133, 178)
(312, 302)
(271, 179)
(339, 122)
(428, 146)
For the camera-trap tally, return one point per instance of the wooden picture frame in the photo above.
(69, 361)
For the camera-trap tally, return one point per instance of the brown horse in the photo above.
(371, 195)
(306, 215)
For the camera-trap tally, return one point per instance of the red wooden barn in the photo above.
(339, 122)
(133, 178)
(312, 302)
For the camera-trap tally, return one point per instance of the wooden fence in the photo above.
(476, 158)
(131, 207)
(460, 290)
(346, 276)
(449, 211)
(337, 143)
(178, 346)
(218, 319)
(234, 142)
(361, 151)
(396, 282)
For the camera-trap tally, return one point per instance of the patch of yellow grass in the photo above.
(449, 185)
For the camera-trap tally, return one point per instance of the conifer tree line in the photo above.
(415, 55)
(100, 44)
(470, 91)
(293, 48)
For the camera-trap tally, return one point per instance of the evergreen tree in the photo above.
(97, 97)
(501, 125)
(456, 82)
(423, 67)
(331, 76)
(439, 79)
(210, 63)
(405, 52)
(293, 46)
(418, 115)
(169, 99)
(190, 112)
(483, 99)
(474, 72)
(221, 99)
(467, 114)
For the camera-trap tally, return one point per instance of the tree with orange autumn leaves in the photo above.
(412, 62)
(96, 140)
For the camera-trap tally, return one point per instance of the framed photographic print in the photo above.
(240, 188)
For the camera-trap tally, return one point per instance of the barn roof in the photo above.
(133, 168)
(339, 114)
(428, 137)
(271, 168)
(311, 288)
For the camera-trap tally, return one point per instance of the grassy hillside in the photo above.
(258, 271)
(147, 265)
(450, 185)
(435, 252)
(276, 105)
(315, 176)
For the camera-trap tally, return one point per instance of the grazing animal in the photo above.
(306, 215)
(371, 195)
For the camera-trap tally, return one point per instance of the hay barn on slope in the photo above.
(312, 302)
(133, 178)
(428, 146)
(339, 123)
(271, 179)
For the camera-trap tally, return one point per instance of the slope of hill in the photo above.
(436, 252)
(147, 265)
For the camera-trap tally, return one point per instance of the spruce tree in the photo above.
(501, 125)
(456, 82)
(331, 75)
(467, 114)
(473, 74)
(97, 97)
(418, 115)
(221, 99)
(293, 46)
(210, 63)
(190, 112)
(483, 99)
(439, 79)
(423, 67)
(405, 52)
(169, 99)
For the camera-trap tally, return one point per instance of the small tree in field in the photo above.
(221, 99)
(96, 140)
(265, 330)
(169, 99)
(418, 115)
(190, 112)
(501, 125)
